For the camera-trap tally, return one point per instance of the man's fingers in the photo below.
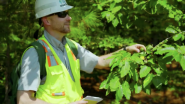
(135, 48)
(140, 46)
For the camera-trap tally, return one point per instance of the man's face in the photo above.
(60, 24)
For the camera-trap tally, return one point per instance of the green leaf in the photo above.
(120, 18)
(108, 91)
(94, 5)
(112, 62)
(132, 85)
(128, 77)
(177, 56)
(142, 2)
(116, 9)
(110, 76)
(114, 83)
(179, 0)
(135, 4)
(151, 61)
(144, 70)
(147, 90)
(137, 59)
(171, 29)
(167, 60)
(125, 69)
(103, 85)
(104, 13)
(157, 70)
(100, 7)
(114, 65)
(135, 76)
(171, 15)
(147, 80)
(115, 22)
(181, 49)
(182, 62)
(162, 65)
(182, 38)
(158, 81)
(165, 50)
(110, 16)
(128, 25)
(119, 93)
(177, 17)
(112, 5)
(118, 1)
(137, 88)
(153, 3)
(168, 54)
(163, 61)
(134, 72)
(126, 90)
(14, 37)
(143, 7)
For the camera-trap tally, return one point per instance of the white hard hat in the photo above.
(47, 7)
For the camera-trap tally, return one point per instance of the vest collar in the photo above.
(54, 42)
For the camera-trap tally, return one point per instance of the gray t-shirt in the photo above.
(30, 69)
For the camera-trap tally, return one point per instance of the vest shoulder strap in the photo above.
(72, 46)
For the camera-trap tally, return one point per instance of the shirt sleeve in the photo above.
(88, 60)
(30, 71)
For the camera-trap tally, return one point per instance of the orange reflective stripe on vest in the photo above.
(48, 57)
(73, 55)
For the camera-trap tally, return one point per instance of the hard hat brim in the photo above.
(52, 10)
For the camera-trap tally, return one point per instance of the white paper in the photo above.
(93, 98)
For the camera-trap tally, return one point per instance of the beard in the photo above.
(65, 28)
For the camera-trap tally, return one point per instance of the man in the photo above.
(61, 85)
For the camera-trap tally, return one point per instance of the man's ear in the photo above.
(46, 21)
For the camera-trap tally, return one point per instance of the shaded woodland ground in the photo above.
(167, 96)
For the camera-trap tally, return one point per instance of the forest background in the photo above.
(103, 26)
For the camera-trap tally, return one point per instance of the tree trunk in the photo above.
(7, 72)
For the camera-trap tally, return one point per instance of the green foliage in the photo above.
(143, 18)
(151, 71)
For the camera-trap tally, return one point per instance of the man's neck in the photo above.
(56, 34)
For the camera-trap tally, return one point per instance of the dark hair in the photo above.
(36, 34)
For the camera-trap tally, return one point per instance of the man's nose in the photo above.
(68, 18)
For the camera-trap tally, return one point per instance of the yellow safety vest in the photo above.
(59, 88)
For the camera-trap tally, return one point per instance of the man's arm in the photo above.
(27, 97)
(30, 78)
(103, 62)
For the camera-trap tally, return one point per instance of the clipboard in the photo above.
(92, 99)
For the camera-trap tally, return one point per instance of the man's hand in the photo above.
(135, 48)
(79, 102)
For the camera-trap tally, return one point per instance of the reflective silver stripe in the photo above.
(45, 6)
(58, 94)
